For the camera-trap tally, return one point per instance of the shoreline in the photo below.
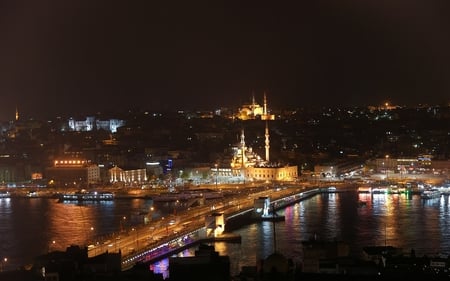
(55, 193)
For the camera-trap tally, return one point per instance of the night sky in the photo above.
(67, 57)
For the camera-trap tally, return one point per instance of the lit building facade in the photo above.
(254, 110)
(91, 124)
(417, 165)
(248, 165)
(73, 172)
(276, 173)
(250, 111)
(134, 177)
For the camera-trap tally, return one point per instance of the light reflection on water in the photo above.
(162, 267)
(401, 220)
(28, 226)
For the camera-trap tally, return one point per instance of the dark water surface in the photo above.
(30, 227)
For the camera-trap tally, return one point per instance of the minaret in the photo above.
(17, 114)
(242, 148)
(265, 116)
(267, 142)
(265, 104)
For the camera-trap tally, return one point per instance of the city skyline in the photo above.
(64, 58)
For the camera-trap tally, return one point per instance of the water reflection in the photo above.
(28, 227)
(162, 267)
(400, 220)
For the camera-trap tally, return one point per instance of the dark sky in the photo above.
(74, 56)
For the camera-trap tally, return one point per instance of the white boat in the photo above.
(87, 196)
(380, 190)
(187, 195)
(430, 194)
(5, 194)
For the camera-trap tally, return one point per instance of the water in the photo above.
(28, 227)
(33, 226)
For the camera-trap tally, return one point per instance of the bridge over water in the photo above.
(150, 243)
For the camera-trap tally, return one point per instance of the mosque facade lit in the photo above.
(248, 165)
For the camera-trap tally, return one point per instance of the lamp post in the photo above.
(149, 217)
(137, 237)
(92, 236)
(122, 224)
(51, 246)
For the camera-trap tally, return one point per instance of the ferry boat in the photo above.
(365, 189)
(187, 195)
(173, 196)
(430, 194)
(87, 196)
(5, 194)
(380, 190)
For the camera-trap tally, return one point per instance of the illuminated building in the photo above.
(247, 164)
(423, 163)
(272, 173)
(127, 177)
(73, 172)
(91, 124)
(253, 110)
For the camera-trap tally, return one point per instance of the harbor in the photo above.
(385, 210)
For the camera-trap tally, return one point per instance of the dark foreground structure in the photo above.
(321, 261)
(74, 264)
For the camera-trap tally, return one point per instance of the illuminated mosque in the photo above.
(247, 164)
(253, 110)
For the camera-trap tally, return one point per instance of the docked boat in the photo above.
(365, 189)
(174, 196)
(87, 196)
(186, 195)
(430, 194)
(5, 194)
(380, 190)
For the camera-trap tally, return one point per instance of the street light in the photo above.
(122, 224)
(92, 235)
(51, 246)
(149, 217)
(137, 237)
